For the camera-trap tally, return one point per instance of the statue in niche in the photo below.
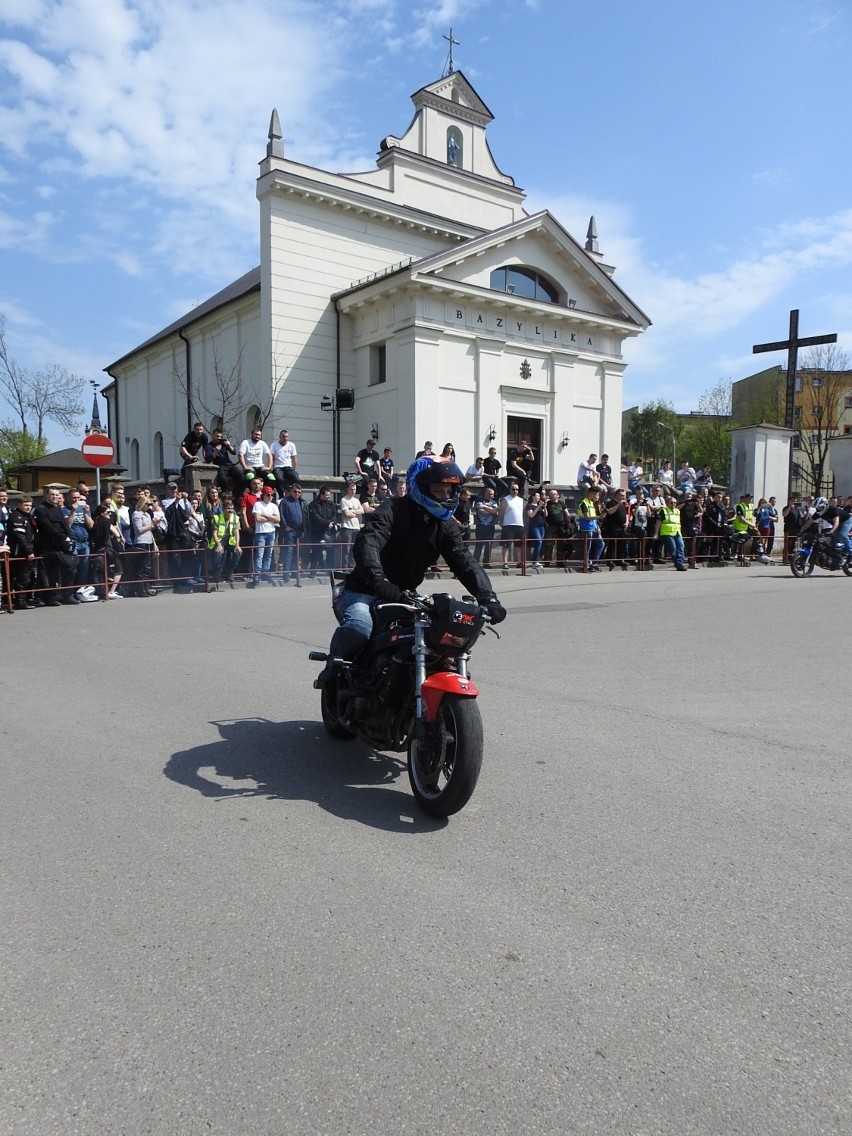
(454, 147)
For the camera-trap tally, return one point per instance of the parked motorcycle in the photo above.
(818, 552)
(410, 689)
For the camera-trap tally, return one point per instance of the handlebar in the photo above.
(414, 603)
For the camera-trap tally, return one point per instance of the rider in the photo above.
(826, 518)
(393, 551)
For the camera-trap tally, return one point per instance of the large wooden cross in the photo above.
(791, 346)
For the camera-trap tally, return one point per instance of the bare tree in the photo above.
(825, 382)
(36, 397)
(223, 401)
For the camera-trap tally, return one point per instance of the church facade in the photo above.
(422, 287)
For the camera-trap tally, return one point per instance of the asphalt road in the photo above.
(216, 919)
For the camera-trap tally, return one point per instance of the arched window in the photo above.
(524, 282)
(134, 460)
(216, 423)
(252, 419)
(159, 455)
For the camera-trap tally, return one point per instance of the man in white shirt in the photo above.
(255, 458)
(285, 462)
(635, 473)
(587, 474)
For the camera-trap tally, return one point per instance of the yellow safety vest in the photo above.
(222, 526)
(587, 516)
(670, 524)
(744, 517)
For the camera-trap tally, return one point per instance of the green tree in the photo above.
(706, 440)
(16, 448)
(650, 433)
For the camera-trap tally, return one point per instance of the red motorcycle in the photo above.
(410, 689)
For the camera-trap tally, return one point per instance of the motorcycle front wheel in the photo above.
(443, 770)
(801, 564)
(328, 709)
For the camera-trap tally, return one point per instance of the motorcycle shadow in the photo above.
(298, 761)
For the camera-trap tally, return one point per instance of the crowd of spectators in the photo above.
(255, 522)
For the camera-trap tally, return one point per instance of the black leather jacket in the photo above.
(400, 541)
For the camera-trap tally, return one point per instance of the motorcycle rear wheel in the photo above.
(443, 776)
(801, 565)
(847, 566)
(328, 709)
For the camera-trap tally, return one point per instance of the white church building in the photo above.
(422, 287)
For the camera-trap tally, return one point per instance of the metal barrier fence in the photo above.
(140, 571)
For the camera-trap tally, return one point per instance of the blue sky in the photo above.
(709, 141)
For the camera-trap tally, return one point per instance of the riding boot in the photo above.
(346, 642)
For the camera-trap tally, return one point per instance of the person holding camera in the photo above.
(221, 453)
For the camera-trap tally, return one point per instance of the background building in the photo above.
(822, 410)
(424, 286)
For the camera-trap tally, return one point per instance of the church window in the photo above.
(134, 459)
(253, 419)
(378, 364)
(455, 147)
(159, 454)
(525, 282)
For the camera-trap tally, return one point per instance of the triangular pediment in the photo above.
(455, 91)
(538, 243)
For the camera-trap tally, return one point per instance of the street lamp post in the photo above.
(666, 426)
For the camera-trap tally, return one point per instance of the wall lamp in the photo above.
(564, 440)
(492, 433)
(572, 303)
(374, 432)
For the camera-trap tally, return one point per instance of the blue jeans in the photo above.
(595, 546)
(81, 548)
(534, 544)
(263, 543)
(355, 610)
(289, 552)
(224, 563)
(674, 547)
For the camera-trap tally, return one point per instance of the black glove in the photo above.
(385, 591)
(496, 611)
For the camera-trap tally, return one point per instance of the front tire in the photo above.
(443, 771)
(847, 565)
(801, 564)
(328, 709)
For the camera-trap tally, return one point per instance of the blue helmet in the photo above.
(425, 472)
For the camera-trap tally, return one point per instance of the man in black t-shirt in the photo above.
(367, 462)
(192, 447)
(614, 529)
(519, 464)
(491, 467)
(604, 470)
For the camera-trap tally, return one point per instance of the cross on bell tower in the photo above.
(449, 66)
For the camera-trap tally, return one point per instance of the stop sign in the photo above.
(98, 450)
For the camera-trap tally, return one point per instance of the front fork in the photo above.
(430, 690)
